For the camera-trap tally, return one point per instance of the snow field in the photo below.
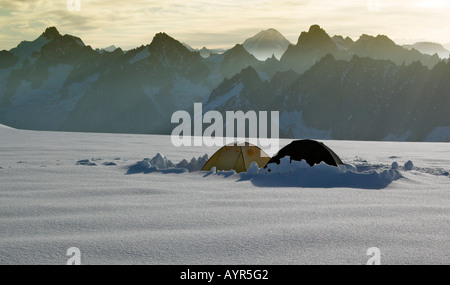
(50, 203)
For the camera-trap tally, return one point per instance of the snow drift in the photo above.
(286, 174)
(301, 174)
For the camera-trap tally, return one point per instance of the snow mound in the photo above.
(432, 171)
(409, 165)
(300, 174)
(195, 164)
(160, 163)
(253, 169)
(86, 162)
(157, 163)
(93, 162)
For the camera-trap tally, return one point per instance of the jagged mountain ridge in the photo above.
(360, 99)
(204, 51)
(316, 43)
(58, 83)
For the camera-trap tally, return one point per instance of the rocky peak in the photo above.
(51, 33)
(316, 38)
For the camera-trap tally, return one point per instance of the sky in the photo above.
(221, 23)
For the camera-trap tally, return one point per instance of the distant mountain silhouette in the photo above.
(381, 47)
(204, 51)
(447, 46)
(430, 48)
(324, 87)
(267, 43)
(316, 43)
(111, 48)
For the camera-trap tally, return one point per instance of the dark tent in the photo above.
(313, 152)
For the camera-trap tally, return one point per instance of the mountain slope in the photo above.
(347, 97)
(40, 90)
(236, 59)
(360, 99)
(245, 91)
(139, 92)
(58, 83)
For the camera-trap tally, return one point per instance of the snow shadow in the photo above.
(225, 174)
(300, 174)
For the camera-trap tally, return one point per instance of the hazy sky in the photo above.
(222, 23)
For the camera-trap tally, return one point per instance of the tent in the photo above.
(313, 152)
(236, 156)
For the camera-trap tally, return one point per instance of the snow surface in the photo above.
(300, 174)
(4, 127)
(51, 200)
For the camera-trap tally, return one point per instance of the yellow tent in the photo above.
(236, 156)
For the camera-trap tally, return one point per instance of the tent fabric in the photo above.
(313, 152)
(238, 157)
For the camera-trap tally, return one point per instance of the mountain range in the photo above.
(204, 51)
(430, 48)
(323, 87)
